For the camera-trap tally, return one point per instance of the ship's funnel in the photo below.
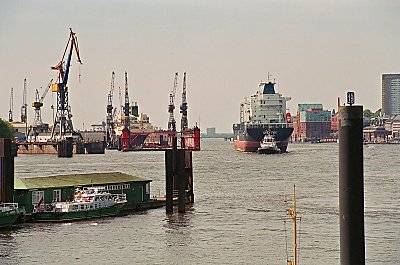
(268, 88)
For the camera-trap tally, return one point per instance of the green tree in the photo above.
(6, 129)
(368, 113)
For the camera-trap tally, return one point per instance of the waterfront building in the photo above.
(396, 128)
(313, 122)
(335, 122)
(391, 94)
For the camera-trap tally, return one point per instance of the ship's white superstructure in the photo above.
(264, 107)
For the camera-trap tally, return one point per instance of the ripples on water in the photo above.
(237, 217)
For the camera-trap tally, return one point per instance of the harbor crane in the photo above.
(126, 106)
(38, 104)
(24, 105)
(184, 120)
(171, 106)
(126, 133)
(10, 112)
(110, 130)
(62, 120)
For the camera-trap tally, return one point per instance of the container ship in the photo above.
(264, 112)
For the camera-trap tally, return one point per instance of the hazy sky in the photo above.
(316, 50)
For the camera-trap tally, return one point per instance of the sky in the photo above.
(316, 51)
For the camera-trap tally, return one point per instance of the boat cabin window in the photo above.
(37, 196)
(56, 195)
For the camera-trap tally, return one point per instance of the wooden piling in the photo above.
(6, 170)
(181, 181)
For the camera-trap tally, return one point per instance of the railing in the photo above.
(8, 206)
(119, 197)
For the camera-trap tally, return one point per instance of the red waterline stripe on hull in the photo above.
(246, 146)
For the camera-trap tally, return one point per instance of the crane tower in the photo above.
(38, 104)
(110, 130)
(24, 105)
(184, 120)
(62, 120)
(10, 112)
(171, 106)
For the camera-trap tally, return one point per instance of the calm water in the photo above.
(238, 217)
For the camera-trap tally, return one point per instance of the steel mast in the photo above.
(171, 106)
(63, 114)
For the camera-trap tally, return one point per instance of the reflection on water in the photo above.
(237, 217)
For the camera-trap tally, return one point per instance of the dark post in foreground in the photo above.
(351, 186)
(6, 170)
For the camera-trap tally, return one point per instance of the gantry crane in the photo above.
(10, 112)
(110, 130)
(184, 120)
(38, 104)
(171, 106)
(62, 120)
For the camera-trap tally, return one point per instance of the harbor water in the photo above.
(238, 216)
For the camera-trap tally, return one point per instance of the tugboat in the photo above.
(266, 110)
(93, 202)
(268, 145)
(9, 213)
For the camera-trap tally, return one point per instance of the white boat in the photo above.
(88, 203)
(268, 145)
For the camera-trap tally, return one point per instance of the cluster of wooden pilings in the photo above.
(179, 177)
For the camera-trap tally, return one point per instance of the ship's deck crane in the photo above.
(184, 120)
(171, 106)
(110, 131)
(38, 104)
(63, 114)
(10, 112)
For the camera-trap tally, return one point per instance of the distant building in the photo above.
(313, 122)
(211, 132)
(391, 94)
(335, 122)
(396, 127)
